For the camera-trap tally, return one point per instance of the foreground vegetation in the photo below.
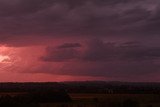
(85, 94)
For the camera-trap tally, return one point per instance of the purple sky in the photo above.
(74, 40)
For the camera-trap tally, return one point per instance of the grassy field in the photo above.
(116, 97)
(106, 100)
(110, 100)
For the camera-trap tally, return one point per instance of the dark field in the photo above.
(80, 94)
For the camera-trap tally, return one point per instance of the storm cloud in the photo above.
(114, 39)
(111, 60)
(97, 50)
(93, 18)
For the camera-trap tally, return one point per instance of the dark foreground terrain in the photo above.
(80, 94)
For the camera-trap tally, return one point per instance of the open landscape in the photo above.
(79, 53)
(79, 94)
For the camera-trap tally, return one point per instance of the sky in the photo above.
(79, 40)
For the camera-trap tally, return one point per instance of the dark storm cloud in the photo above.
(97, 50)
(61, 53)
(15, 8)
(72, 22)
(97, 58)
(94, 18)
(70, 45)
(115, 69)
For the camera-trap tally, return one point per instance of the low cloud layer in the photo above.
(97, 58)
(97, 50)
